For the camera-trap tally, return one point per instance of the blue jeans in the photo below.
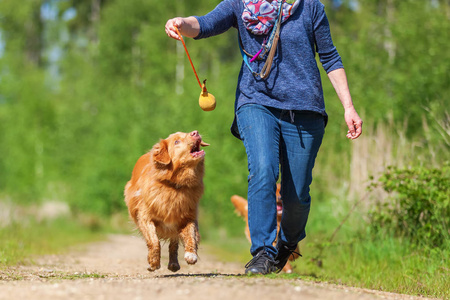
(274, 138)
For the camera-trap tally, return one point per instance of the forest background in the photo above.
(87, 86)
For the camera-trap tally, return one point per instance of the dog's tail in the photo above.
(241, 206)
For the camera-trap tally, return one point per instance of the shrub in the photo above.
(418, 206)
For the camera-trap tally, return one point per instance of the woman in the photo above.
(279, 110)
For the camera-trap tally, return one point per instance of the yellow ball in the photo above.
(207, 101)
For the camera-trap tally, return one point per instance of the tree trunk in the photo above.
(33, 36)
(95, 19)
(389, 44)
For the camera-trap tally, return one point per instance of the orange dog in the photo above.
(163, 195)
(242, 209)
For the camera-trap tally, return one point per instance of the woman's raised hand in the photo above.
(170, 27)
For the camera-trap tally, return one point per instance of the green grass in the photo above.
(14, 275)
(72, 276)
(19, 243)
(386, 264)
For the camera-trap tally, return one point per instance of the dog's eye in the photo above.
(177, 142)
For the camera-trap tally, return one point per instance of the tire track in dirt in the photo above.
(116, 269)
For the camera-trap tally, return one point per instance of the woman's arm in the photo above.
(217, 21)
(338, 79)
(187, 26)
(332, 63)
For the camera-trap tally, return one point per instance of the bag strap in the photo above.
(265, 71)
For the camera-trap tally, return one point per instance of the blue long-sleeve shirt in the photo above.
(294, 82)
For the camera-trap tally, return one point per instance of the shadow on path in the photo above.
(207, 275)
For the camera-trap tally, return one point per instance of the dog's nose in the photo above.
(194, 133)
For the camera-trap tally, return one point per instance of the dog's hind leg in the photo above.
(191, 238)
(173, 255)
(148, 230)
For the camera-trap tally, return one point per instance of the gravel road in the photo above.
(117, 269)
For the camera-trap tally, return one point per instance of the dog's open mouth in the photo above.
(195, 150)
(279, 208)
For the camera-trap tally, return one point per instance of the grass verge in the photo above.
(386, 264)
(20, 242)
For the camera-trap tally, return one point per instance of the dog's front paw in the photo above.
(173, 266)
(190, 258)
(153, 267)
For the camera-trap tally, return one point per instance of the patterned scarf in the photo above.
(259, 16)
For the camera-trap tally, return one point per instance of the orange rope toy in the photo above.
(206, 101)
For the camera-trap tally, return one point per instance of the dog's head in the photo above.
(179, 149)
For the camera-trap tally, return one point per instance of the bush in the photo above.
(418, 207)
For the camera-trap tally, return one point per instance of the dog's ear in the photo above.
(161, 153)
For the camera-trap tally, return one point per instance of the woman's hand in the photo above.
(187, 26)
(170, 27)
(354, 123)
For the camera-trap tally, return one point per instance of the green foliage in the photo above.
(393, 54)
(419, 206)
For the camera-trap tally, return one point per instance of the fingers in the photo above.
(351, 128)
(355, 129)
(358, 126)
(354, 123)
(170, 27)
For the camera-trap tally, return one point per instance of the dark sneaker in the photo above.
(262, 263)
(284, 252)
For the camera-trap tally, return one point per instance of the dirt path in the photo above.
(116, 269)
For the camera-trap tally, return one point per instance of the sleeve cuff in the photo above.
(201, 24)
(335, 66)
